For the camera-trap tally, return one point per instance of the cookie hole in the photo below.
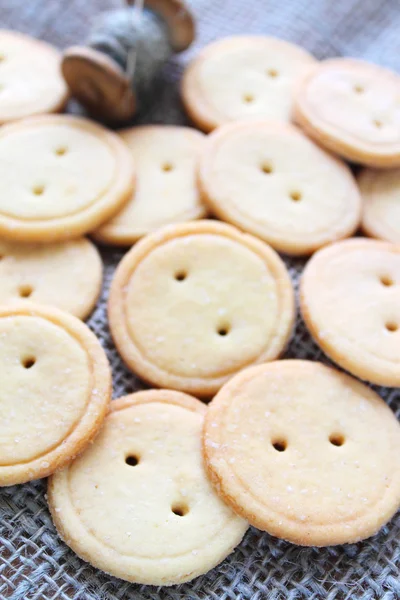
(167, 167)
(266, 168)
(377, 123)
(223, 330)
(28, 362)
(180, 276)
(180, 510)
(132, 460)
(359, 89)
(336, 439)
(38, 190)
(296, 196)
(61, 150)
(391, 326)
(25, 291)
(386, 280)
(280, 445)
(248, 98)
(272, 73)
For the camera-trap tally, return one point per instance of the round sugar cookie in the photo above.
(60, 177)
(304, 452)
(30, 77)
(352, 107)
(350, 302)
(137, 504)
(166, 189)
(243, 77)
(192, 304)
(272, 181)
(55, 390)
(380, 191)
(67, 275)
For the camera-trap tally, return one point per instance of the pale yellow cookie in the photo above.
(67, 275)
(243, 77)
(350, 302)
(60, 176)
(30, 77)
(353, 108)
(137, 504)
(54, 393)
(192, 304)
(380, 192)
(166, 189)
(270, 180)
(304, 452)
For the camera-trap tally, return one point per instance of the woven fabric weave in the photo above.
(34, 563)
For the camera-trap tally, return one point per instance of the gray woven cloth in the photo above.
(34, 563)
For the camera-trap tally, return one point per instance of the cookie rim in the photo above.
(378, 374)
(222, 477)
(370, 225)
(95, 409)
(117, 235)
(325, 134)
(98, 211)
(197, 109)
(198, 386)
(96, 549)
(249, 224)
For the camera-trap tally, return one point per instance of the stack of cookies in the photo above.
(200, 309)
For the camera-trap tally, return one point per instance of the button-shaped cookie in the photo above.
(243, 77)
(353, 108)
(272, 181)
(67, 275)
(138, 503)
(166, 191)
(55, 390)
(60, 177)
(350, 302)
(304, 452)
(30, 77)
(192, 304)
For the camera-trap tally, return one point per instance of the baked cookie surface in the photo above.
(350, 302)
(30, 77)
(60, 177)
(137, 503)
(304, 452)
(243, 77)
(272, 181)
(67, 275)
(55, 390)
(166, 190)
(352, 107)
(380, 192)
(192, 304)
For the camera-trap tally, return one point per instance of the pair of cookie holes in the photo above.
(180, 509)
(250, 98)
(280, 444)
(359, 90)
(267, 169)
(387, 281)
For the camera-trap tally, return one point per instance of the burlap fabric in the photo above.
(34, 563)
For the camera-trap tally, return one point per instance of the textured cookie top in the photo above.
(166, 188)
(67, 275)
(243, 77)
(380, 192)
(304, 452)
(60, 176)
(30, 77)
(55, 390)
(138, 503)
(192, 304)
(350, 301)
(272, 181)
(353, 108)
